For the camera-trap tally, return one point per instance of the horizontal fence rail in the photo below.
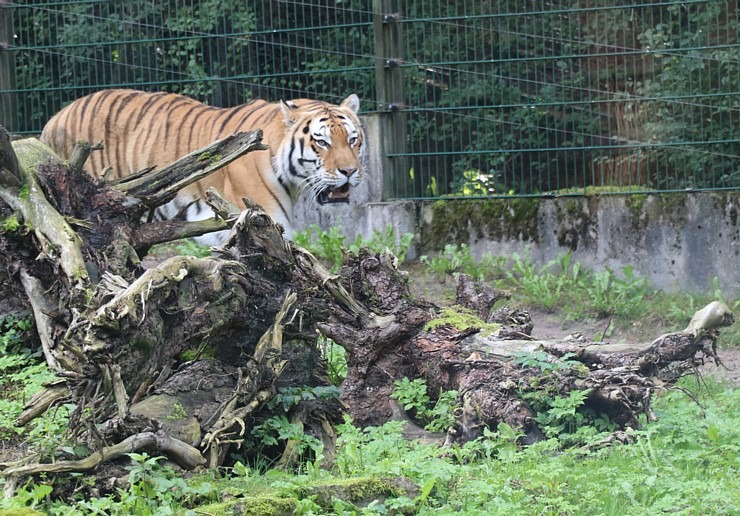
(476, 99)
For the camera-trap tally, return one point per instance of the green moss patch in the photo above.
(462, 319)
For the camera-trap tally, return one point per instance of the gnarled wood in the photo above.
(185, 357)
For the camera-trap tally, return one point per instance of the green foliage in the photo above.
(563, 418)
(30, 496)
(330, 245)
(434, 416)
(336, 360)
(562, 414)
(562, 282)
(192, 248)
(543, 286)
(327, 245)
(503, 133)
(153, 489)
(545, 362)
(178, 412)
(10, 224)
(607, 294)
(278, 430)
(455, 259)
(412, 394)
(685, 462)
(441, 416)
(23, 373)
(576, 293)
(288, 397)
(382, 241)
(684, 452)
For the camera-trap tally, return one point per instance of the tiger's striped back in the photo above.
(313, 146)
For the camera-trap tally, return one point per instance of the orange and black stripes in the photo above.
(141, 130)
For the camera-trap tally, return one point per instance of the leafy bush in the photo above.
(23, 373)
(434, 416)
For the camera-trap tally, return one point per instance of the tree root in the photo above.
(183, 454)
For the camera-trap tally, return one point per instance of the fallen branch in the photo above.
(157, 442)
(157, 187)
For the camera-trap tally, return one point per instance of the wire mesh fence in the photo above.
(219, 52)
(519, 98)
(477, 99)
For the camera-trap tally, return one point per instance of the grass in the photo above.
(684, 463)
(565, 288)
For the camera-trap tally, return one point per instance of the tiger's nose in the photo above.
(348, 172)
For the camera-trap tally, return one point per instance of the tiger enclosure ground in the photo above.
(686, 462)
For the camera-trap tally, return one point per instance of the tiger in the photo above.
(314, 147)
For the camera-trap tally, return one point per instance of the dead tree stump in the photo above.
(184, 358)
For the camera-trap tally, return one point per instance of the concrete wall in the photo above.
(679, 241)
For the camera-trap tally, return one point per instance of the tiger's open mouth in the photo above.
(338, 194)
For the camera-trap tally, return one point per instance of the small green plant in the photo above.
(336, 359)
(441, 416)
(412, 394)
(30, 496)
(178, 412)
(454, 259)
(288, 397)
(562, 415)
(278, 429)
(609, 295)
(435, 416)
(327, 245)
(330, 245)
(23, 373)
(157, 489)
(10, 224)
(499, 445)
(537, 285)
(381, 241)
(545, 362)
(545, 286)
(192, 248)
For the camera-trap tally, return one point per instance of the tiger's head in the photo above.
(323, 150)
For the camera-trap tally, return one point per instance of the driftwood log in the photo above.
(184, 358)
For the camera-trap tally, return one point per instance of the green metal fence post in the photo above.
(389, 88)
(8, 113)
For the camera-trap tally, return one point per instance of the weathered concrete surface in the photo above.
(679, 241)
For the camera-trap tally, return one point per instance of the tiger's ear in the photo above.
(352, 102)
(289, 110)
